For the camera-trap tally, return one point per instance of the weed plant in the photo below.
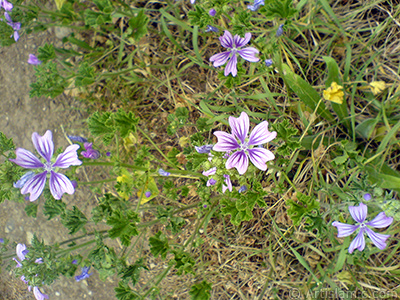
(235, 149)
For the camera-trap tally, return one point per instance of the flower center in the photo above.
(244, 146)
(48, 166)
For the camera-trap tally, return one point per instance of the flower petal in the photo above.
(231, 66)
(260, 134)
(380, 221)
(259, 156)
(60, 184)
(359, 213)
(21, 251)
(38, 294)
(68, 158)
(378, 239)
(344, 229)
(240, 42)
(44, 144)
(35, 186)
(226, 142)
(220, 59)
(239, 160)
(227, 40)
(26, 159)
(240, 126)
(210, 172)
(358, 242)
(249, 54)
(228, 185)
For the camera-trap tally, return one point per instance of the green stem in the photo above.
(97, 181)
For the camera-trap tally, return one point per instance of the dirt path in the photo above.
(20, 116)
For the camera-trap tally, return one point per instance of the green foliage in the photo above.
(85, 75)
(6, 35)
(53, 207)
(5, 144)
(123, 225)
(202, 124)
(166, 216)
(172, 156)
(73, 220)
(177, 120)
(46, 53)
(132, 272)
(48, 81)
(159, 245)
(103, 258)
(183, 262)
(305, 206)
(9, 173)
(106, 124)
(124, 292)
(200, 291)
(31, 209)
(240, 206)
(280, 8)
(138, 26)
(199, 16)
(286, 132)
(95, 19)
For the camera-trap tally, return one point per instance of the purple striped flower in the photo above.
(6, 5)
(59, 183)
(234, 44)
(204, 149)
(243, 145)
(211, 29)
(359, 213)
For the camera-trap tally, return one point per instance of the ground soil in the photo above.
(20, 116)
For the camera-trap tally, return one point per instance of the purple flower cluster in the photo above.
(15, 25)
(241, 147)
(84, 274)
(359, 214)
(33, 60)
(90, 152)
(34, 184)
(234, 44)
(21, 253)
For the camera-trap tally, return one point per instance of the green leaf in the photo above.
(366, 127)
(306, 93)
(46, 52)
(133, 271)
(159, 245)
(298, 210)
(99, 125)
(138, 25)
(124, 292)
(5, 144)
(123, 226)
(53, 208)
(85, 75)
(31, 209)
(183, 262)
(200, 291)
(199, 16)
(203, 125)
(125, 122)
(48, 81)
(73, 220)
(280, 8)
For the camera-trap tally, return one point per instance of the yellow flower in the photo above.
(377, 87)
(334, 93)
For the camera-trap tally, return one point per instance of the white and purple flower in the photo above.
(6, 5)
(84, 274)
(90, 152)
(244, 145)
(256, 5)
(38, 294)
(359, 213)
(234, 44)
(59, 183)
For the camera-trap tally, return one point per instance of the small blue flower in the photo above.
(211, 28)
(367, 197)
(269, 62)
(1, 241)
(242, 189)
(84, 274)
(163, 173)
(77, 138)
(279, 32)
(204, 149)
(212, 12)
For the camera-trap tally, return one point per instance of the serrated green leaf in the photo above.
(46, 52)
(73, 220)
(125, 122)
(99, 125)
(298, 210)
(124, 292)
(159, 245)
(5, 144)
(200, 291)
(133, 271)
(138, 25)
(123, 226)
(53, 208)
